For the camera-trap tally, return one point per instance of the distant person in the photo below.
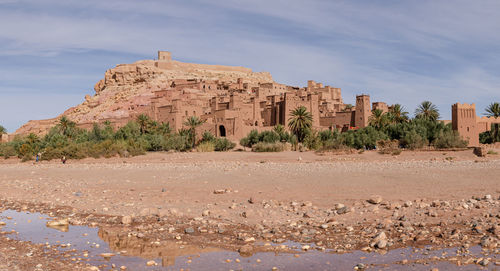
(63, 159)
(38, 157)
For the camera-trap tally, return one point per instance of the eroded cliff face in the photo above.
(128, 87)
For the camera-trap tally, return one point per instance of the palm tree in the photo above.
(493, 111)
(193, 122)
(143, 121)
(66, 125)
(2, 130)
(300, 122)
(378, 119)
(398, 114)
(427, 110)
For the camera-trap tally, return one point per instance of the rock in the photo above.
(306, 247)
(2, 223)
(251, 200)
(379, 240)
(246, 250)
(127, 220)
(58, 223)
(339, 205)
(219, 191)
(107, 255)
(407, 204)
(359, 266)
(483, 262)
(343, 210)
(151, 263)
(149, 211)
(375, 199)
(480, 151)
(381, 244)
(205, 213)
(488, 242)
(189, 230)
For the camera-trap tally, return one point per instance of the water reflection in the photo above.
(107, 246)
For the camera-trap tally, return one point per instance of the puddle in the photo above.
(134, 252)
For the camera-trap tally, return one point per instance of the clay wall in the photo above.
(380, 105)
(363, 111)
(464, 120)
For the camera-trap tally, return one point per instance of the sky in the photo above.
(53, 52)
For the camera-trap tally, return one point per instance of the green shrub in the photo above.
(412, 140)
(492, 152)
(223, 144)
(312, 140)
(207, 136)
(450, 139)
(269, 137)
(251, 139)
(7, 150)
(177, 143)
(269, 147)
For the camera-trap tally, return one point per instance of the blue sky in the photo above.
(53, 52)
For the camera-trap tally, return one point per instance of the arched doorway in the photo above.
(222, 131)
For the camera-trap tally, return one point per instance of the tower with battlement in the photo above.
(464, 120)
(363, 111)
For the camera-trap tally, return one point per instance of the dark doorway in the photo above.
(222, 131)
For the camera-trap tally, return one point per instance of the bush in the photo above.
(207, 146)
(7, 150)
(412, 140)
(268, 147)
(223, 144)
(312, 141)
(388, 147)
(450, 139)
(251, 139)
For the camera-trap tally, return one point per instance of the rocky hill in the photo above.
(129, 86)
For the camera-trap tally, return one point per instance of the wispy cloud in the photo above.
(397, 51)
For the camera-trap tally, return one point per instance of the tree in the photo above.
(493, 111)
(398, 114)
(300, 122)
(143, 121)
(378, 119)
(66, 125)
(2, 130)
(193, 122)
(427, 110)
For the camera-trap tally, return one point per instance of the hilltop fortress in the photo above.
(231, 100)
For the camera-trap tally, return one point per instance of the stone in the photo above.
(189, 230)
(343, 210)
(219, 191)
(246, 250)
(127, 220)
(483, 262)
(375, 199)
(359, 266)
(151, 263)
(205, 213)
(488, 242)
(58, 223)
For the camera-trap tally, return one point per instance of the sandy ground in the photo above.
(265, 191)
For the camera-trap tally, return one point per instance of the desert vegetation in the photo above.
(492, 136)
(390, 132)
(135, 138)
